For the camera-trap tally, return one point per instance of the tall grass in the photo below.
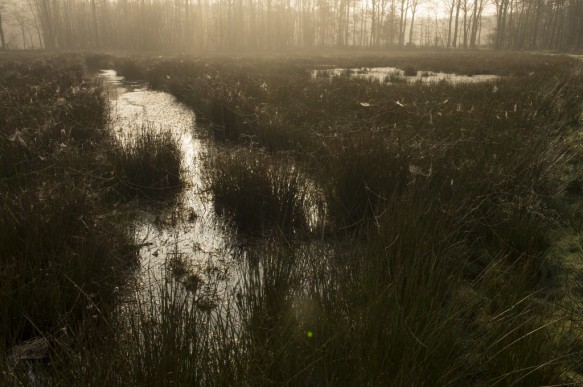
(395, 311)
(147, 165)
(362, 172)
(436, 272)
(257, 192)
(64, 251)
(446, 190)
(61, 259)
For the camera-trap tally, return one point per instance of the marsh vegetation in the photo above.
(341, 230)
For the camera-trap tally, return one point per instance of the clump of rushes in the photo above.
(256, 192)
(147, 165)
(55, 94)
(363, 171)
(411, 280)
(275, 134)
(165, 335)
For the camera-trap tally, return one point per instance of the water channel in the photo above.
(188, 228)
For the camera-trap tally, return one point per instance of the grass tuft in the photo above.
(147, 165)
(258, 193)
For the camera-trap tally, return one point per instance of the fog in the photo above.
(187, 25)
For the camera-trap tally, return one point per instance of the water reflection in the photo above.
(390, 75)
(188, 228)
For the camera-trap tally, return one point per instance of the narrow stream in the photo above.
(189, 227)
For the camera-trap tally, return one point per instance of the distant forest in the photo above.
(278, 24)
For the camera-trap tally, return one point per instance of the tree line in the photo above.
(535, 24)
(273, 24)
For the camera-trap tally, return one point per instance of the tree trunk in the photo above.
(2, 42)
(476, 15)
(411, 27)
(22, 31)
(449, 24)
(403, 21)
(46, 20)
(465, 24)
(457, 20)
(501, 9)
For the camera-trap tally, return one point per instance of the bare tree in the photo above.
(451, 6)
(501, 14)
(2, 39)
(414, 5)
(404, 9)
(457, 19)
(475, 21)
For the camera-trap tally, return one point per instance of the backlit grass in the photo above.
(147, 165)
(258, 192)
